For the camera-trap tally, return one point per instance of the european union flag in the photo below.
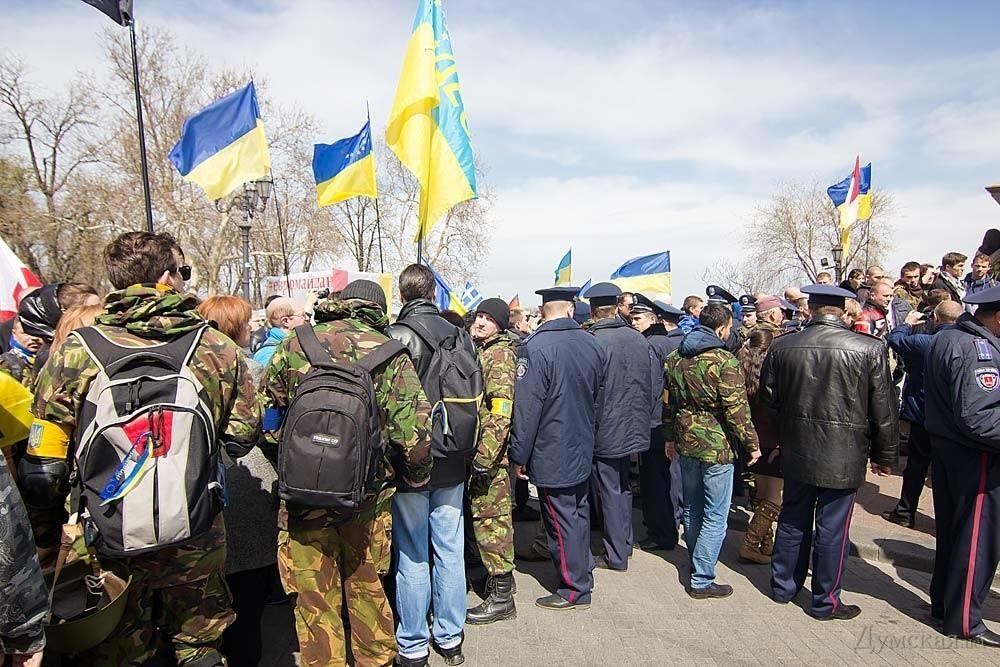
(345, 169)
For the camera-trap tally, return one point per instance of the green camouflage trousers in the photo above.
(324, 562)
(489, 502)
(179, 592)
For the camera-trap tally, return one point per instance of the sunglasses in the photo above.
(185, 272)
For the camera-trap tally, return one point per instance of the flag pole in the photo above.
(378, 218)
(281, 234)
(142, 129)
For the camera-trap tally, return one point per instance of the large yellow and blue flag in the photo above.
(649, 275)
(428, 129)
(345, 169)
(223, 145)
(853, 198)
(564, 271)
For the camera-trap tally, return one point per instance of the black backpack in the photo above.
(454, 386)
(147, 455)
(331, 437)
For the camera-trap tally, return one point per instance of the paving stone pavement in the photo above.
(644, 617)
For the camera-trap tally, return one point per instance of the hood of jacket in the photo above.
(698, 340)
(358, 310)
(151, 311)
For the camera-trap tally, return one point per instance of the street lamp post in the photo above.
(838, 262)
(251, 201)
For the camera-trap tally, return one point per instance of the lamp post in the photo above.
(838, 262)
(251, 201)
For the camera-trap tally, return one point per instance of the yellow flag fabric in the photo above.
(427, 128)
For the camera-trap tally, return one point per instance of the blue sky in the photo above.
(623, 128)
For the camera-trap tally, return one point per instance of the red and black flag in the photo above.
(119, 11)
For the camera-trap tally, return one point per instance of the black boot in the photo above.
(499, 602)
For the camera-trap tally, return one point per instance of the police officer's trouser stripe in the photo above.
(970, 575)
(833, 597)
(563, 568)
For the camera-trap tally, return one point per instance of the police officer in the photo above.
(831, 390)
(963, 418)
(560, 370)
(748, 306)
(658, 510)
(626, 412)
(717, 294)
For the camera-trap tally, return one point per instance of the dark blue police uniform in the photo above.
(962, 415)
(560, 371)
(623, 421)
(659, 511)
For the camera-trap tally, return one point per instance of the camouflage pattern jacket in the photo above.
(498, 357)
(22, 589)
(133, 317)
(708, 411)
(349, 329)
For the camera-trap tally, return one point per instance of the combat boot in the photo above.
(499, 602)
(771, 511)
(750, 549)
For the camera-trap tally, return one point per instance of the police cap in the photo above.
(988, 299)
(558, 293)
(581, 312)
(642, 304)
(748, 303)
(827, 295)
(788, 305)
(718, 295)
(603, 294)
(668, 312)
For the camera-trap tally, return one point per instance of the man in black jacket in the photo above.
(433, 514)
(624, 420)
(962, 415)
(832, 391)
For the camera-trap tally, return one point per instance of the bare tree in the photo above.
(799, 226)
(747, 276)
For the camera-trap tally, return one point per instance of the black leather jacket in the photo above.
(425, 314)
(451, 470)
(836, 407)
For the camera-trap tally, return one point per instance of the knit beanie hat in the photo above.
(498, 310)
(366, 290)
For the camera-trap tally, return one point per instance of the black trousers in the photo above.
(967, 518)
(828, 510)
(521, 492)
(611, 483)
(241, 642)
(918, 463)
(566, 516)
(654, 481)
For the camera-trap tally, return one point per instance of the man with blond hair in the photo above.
(283, 315)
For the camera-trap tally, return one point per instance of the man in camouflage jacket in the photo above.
(489, 485)
(178, 592)
(708, 416)
(320, 555)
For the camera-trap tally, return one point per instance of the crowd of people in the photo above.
(370, 470)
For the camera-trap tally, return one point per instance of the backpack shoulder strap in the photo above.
(380, 355)
(316, 354)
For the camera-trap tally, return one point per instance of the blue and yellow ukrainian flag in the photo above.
(445, 297)
(223, 145)
(564, 271)
(648, 275)
(345, 169)
(428, 129)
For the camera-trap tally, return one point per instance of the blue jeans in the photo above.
(419, 520)
(708, 491)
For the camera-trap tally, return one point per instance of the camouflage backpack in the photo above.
(147, 457)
